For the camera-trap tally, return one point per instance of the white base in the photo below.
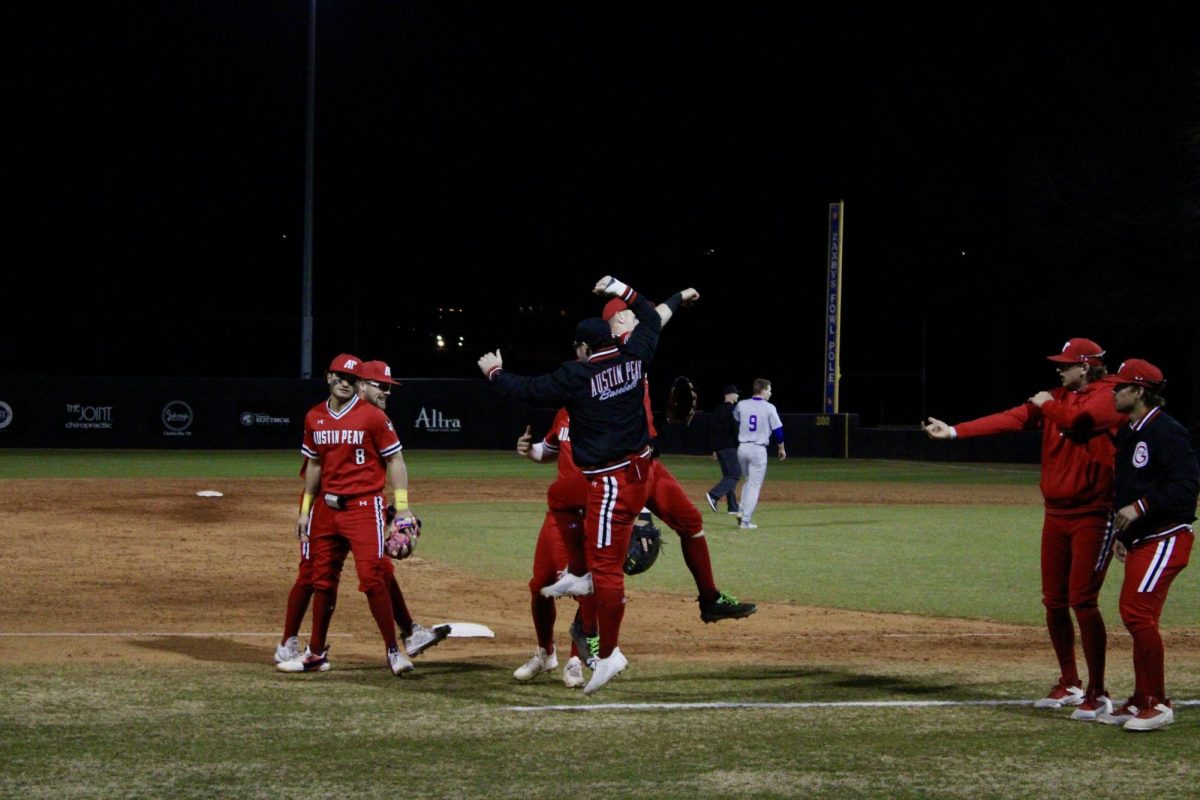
(468, 630)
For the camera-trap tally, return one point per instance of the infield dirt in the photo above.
(160, 576)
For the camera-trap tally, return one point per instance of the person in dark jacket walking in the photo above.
(1157, 483)
(723, 441)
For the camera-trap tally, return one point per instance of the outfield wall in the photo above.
(165, 413)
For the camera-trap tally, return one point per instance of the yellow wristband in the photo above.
(306, 503)
(401, 499)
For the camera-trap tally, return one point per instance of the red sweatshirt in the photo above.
(1077, 444)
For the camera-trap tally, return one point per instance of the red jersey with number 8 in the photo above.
(351, 444)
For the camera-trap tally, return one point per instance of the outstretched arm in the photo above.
(667, 310)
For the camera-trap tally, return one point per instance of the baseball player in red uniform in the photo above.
(352, 450)
(375, 388)
(566, 501)
(1157, 483)
(603, 390)
(1078, 422)
(667, 500)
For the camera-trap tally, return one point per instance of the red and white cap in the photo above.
(1143, 373)
(612, 308)
(1080, 351)
(377, 371)
(351, 365)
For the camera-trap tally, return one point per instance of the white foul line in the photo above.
(841, 704)
(155, 634)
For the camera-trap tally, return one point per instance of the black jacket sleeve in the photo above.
(554, 387)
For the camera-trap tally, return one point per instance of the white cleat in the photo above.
(288, 651)
(573, 673)
(308, 662)
(1119, 716)
(568, 585)
(606, 669)
(398, 663)
(539, 662)
(423, 638)
(1158, 716)
(1060, 696)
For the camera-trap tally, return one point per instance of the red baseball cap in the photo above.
(1080, 350)
(1143, 373)
(351, 365)
(612, 308)
(377, 371)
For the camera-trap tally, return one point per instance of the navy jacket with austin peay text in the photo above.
(604, 395)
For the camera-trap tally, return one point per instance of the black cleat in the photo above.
(725, 606)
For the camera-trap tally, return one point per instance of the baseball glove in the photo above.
(644, 547)
(403, 538)
(681, 404)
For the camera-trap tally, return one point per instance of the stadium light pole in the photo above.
(306, 294)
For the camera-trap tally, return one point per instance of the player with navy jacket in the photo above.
(1157, 483)
(603, 390)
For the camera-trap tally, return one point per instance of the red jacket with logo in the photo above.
(1078, 429)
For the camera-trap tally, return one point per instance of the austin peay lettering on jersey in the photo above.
(617, 379)
(328, 437)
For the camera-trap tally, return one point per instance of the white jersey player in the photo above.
(758, 421)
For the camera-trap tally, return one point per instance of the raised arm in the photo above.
(667, 310)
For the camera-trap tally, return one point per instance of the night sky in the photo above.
(1012, 178)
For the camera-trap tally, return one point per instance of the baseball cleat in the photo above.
(539, 662)
(1128, 710)
(1095, 702)
(308, 662)
(606, 669)
(712, 502)
(1060, 696)
(725, 606)
(288, 651)
(423, 638)
(747, 526)
(1155, 716)
(568, 585)
(398, 663)
(588, 646)
(573, 673)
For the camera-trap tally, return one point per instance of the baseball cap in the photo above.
(351, 365)
(377, 371)
(1080, 350)
(612, 308)
(730, 389)
(593, 331)
(1143, 373)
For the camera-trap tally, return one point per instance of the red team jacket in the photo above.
(351, 445)
(1078, 429)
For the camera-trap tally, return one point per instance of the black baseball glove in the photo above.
(644, 547)
(681, 404)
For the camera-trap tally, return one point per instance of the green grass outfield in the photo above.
(223, 728)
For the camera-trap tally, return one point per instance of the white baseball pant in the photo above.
(753, 460)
